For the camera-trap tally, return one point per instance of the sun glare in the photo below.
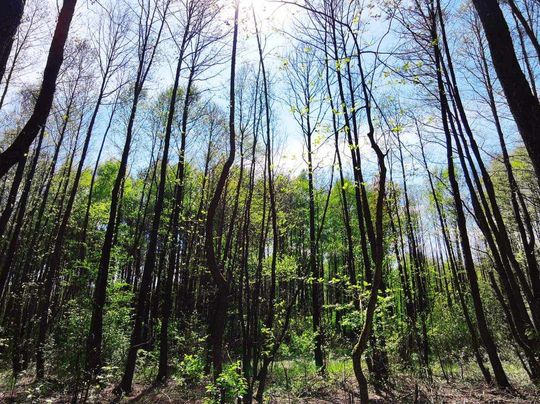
(272, 14)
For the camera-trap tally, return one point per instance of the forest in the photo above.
(271, 201)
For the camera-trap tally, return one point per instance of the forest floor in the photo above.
(403, 390)
(406, 390)
(308, 388)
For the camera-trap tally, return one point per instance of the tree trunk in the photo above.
(11, 12)
(524, 106)
(219, 311)
(45, 98)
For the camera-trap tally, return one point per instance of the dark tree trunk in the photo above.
(8, 259)
(167, 291)
(485, 335)
(524, 105)
(46, 94)
(219, 311)
(453, 267)
(11, 12)
(86, 220)
(269, 323)
(93, 344)
(10, 201)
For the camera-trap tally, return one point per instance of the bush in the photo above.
(190, 370)
(229, 386)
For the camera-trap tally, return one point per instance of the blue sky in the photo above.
(276, 23)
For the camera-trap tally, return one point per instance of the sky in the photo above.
(275, 19)
(276, 23)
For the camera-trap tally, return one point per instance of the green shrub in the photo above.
(229, 386)
(190, 370)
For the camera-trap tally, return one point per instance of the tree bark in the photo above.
(46, 94)
(524, 106)
(219, 310)
(11, 12)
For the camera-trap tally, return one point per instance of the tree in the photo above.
(11, 12)
(220, 304)
(151, 24)
(45, 98)
(524, 105)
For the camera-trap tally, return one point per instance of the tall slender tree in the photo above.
(43, 104)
